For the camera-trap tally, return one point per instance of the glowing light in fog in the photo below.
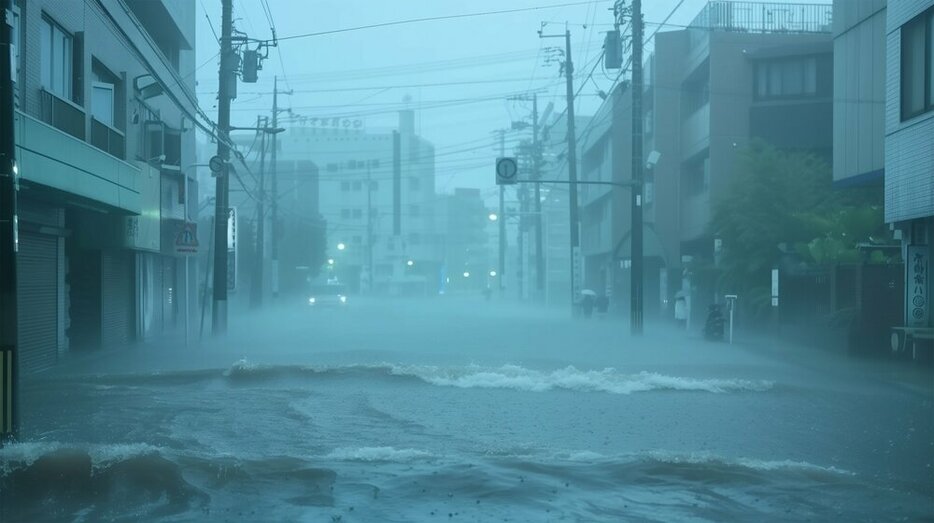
(493, 274)
(466, 274)
(330, 261)
(493, 217)
(341, 246)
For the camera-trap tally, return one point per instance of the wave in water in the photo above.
(388, 454)
(570, 378)
(513, 377)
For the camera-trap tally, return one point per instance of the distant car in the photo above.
(330, 295)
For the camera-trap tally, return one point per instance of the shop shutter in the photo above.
(37, 288)
(116, 302)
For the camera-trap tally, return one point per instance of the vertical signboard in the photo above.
(917, 301)
(232, 250)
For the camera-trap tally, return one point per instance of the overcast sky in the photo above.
(367, 74)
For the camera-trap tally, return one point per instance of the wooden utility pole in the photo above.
(9, 332)
(226, 78)
(637, 268)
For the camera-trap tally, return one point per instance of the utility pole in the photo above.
(537, 174)
(274, 240)
(636, 236)
(369, 224)
(502, 220)
(9, 343)
(226, 78)
(256, 287)
(572, 167)
(572, 164)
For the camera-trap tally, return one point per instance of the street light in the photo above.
(341, 246)
(492, 274)
(466, 274)
(330, 261)
(410, 263)
(493, 217)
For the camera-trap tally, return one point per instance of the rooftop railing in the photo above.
(764, 17)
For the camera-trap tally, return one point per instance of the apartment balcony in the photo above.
(695, 132)
(56, 156)
(108, 139)
(62, 114)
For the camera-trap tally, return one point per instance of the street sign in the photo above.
(216, 163)
(186, 241)
(916, 286)
(232, 250)
(507, 170)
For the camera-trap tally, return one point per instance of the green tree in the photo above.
(785, 198)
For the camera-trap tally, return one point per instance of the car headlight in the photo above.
(343, 299)
(311, 301)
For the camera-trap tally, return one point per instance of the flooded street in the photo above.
(439, 410)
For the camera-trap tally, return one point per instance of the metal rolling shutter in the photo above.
(116, 303)
(37, 285)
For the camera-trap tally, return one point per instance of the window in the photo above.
(357, 214)
(374, 185)
(414, 211)
(356, 240)
(917, 66)
(358, 186)
(345, 213)
(14, 38)
(414, 184)
(415, 238)
(332, 167)
(786, 78)
(57, 60)
(102, 103)
(374, 164)
(696, 175)
(351, 164)
(345, 186)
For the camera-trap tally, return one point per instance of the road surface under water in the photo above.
(460, 411)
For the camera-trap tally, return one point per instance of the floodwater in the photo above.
(456, 410)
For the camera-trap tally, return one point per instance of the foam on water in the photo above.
(390, 454)
(24, 454)
(570, 378)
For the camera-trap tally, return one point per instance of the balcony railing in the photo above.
(108, 139)
(61, 114)
(764, 17)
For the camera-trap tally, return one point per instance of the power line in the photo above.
(433, 19)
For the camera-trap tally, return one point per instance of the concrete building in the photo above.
(884, 128)
(909, 147)
(377, 195)
(741, 70)
(104, 92)
(462, 218)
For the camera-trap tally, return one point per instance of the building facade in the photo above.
(909, 153)
(104, 93)
(376, 193)
(740, 71)
(884, 127)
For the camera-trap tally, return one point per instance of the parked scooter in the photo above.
(714, 326)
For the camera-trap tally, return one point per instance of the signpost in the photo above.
(186, 241)
(917, 302)
(232, 249)
(507, 170)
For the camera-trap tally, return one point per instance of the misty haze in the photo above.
(424, 260)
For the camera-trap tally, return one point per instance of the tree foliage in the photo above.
(782, 202)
